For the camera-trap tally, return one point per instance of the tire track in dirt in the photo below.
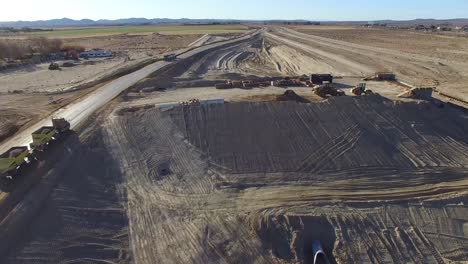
(409, 66)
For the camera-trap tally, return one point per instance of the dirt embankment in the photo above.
(257, 182)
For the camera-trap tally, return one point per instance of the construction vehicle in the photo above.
(170, 57)
(54, 66)
(12, 161)
(327, 89)
(360, 89)
(45, 135)
(321, 78)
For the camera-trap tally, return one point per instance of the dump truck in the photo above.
(170, 57)
(45, 135)
(12, 161)
(16, 158)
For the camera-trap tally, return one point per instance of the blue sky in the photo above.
(235, 9)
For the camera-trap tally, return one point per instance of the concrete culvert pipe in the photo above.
(319, 255)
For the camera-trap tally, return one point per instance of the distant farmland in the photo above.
(113, 30)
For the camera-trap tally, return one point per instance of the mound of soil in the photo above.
(290, 95)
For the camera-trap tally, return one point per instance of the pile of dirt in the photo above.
(290, 95)
(324, 137)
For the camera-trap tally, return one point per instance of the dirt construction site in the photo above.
(173, 170)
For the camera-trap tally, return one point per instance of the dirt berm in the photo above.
(376, 181)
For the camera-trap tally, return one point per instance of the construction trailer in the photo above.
(320, 78)
(96, 53)
(12, 161)
(384, 76)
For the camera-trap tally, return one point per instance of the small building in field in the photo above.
(96, 53)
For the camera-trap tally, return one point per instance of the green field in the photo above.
(166, 29)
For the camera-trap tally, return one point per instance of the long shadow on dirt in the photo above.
(83, 219)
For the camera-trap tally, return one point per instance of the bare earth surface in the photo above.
(255, 180)
(421, 58)
(25, 92)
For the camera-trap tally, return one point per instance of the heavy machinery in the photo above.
(54, 66)
(360, 89)
(170, 57)
(12, 161)
(17, 157)
(45, 135)
(327, 89)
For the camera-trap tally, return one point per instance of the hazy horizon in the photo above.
(318, 10)
(232, 19)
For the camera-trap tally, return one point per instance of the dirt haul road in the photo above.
(79, 111)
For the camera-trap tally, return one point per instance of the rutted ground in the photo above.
(205, 185)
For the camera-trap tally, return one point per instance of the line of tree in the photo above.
(23, 29)
(37, 45)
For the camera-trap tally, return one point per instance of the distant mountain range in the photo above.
(66, 22)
